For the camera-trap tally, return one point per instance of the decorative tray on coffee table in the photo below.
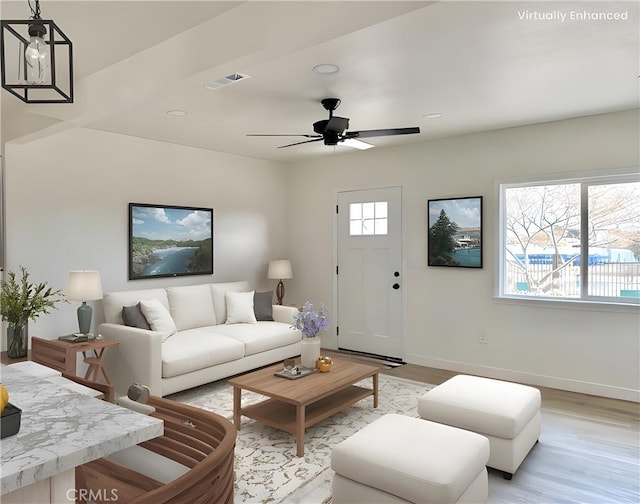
(294, 373)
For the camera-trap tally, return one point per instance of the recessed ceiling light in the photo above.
(326, 68)
(177, 113)
(435, 115)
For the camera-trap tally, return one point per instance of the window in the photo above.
(368, 218)
(572, 239)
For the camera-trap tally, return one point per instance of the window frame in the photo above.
(586, 180)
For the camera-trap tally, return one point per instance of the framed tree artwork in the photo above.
(454, 234)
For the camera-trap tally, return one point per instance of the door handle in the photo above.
(396, 286)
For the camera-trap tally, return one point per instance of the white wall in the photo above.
(574, 348)
(67, 202)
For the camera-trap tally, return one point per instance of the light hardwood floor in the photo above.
(589, 450)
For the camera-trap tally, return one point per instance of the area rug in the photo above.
(267, 469)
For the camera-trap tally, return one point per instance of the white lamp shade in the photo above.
(280, 269)
(84, 286)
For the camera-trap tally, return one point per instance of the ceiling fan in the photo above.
(333, 130)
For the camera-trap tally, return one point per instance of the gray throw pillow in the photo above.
(263, 305)
(132, 316)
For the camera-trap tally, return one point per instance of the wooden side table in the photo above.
(61, 355)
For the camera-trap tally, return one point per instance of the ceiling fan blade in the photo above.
(283, 134)
(336, 124)
(298, 143)
(381, 132)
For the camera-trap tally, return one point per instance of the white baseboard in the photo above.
(555, 382)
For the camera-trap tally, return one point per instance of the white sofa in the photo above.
(205, 347)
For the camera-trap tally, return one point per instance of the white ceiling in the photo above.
(476, 62)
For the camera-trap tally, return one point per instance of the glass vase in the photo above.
(310, 352)
(17, 340)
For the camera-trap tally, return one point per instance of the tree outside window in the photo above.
(572, 239)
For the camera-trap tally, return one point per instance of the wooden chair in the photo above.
(201, 441)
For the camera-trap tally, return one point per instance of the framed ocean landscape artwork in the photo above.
(169, 240)
(454, 235)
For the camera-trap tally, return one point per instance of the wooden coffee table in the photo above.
(294, 405)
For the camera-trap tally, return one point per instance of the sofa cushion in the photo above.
(199, 348)
(113, 302)
(158, 317)
(261, 336)
(240, 308)
(132, 316)
(191, 306)
(218, 291)
(263, 305)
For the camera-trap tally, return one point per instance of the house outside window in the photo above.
(571, 239)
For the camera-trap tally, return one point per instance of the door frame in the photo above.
(403, 262)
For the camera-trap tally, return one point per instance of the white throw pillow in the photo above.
(191, 306)
(158, 317)
(240, 307)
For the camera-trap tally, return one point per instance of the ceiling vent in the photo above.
(225, 81)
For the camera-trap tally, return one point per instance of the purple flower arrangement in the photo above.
(311, 322)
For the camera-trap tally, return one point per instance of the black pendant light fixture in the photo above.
(36, 59)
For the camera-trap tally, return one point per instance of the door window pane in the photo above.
(370, 218)
(381, 227)
(355, 211)
(381, 209)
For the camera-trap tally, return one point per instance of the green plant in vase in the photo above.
(21, 301)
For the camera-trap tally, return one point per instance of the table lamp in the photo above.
(84, 286)
(279, 269)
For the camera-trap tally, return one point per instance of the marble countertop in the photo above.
(61, 429)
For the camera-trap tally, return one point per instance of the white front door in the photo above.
(369, 271)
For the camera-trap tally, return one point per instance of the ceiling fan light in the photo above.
(356, 144)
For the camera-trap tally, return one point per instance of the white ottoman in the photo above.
(398, 458)
(508, 414)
